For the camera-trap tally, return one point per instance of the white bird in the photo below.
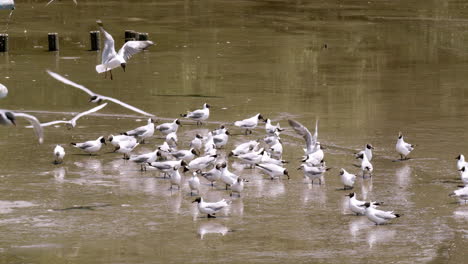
(116, 140)
(272, 140)
(197, 142)
(464, 175)
(142, 132)
(266, 158)
(125, 147)
(227, 177)
(244, 148)
(167, 166)
(72, 122)
(357, 206)
(461, 162)
(8, 118)
(305, 133)
(210, 208)
(220, 140)
(201, 162)
(194, 184)
(199, 115)
(90, 146)
(112, 59)
(96, 98)
(237, 187)
(276, 150)
(271, 129)
(183, 154)
(213, 175)
(174, 177)
(367, 150)
(167, 128)
(3, 91)
(251, 158)
(250, 123)
(273, 170)
(313, 172)
(59, 153)
(210, 150)
(377, 216)
(316, 156)
(347, 179)
(461, 193)
(172, 139)
(403, 148)
(145, 158)
(366, 166)
(220, 130)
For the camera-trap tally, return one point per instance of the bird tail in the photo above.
(101, 68)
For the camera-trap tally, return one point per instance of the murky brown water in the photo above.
(366, 69)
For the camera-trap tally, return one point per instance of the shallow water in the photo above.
(366, 69)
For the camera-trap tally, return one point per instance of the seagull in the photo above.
(213, 174)
(266, 158)
(210, 208)
(347, 179)
(366, 166)
(96, 98)
(112, 59)
(403, 148)
(305, 133)
(273, 170)
(237, 187)
(145, 158)
(174, 177)
(461, 193)
(313, 172)
(251, 158)
(461, 162)
(250, 123)
(125, 147)
(201, 163)
(227, 177)
(199, 115)
(220, 140)
(167, 128)
(271, 129)
(166, 166)
(315, 157)
(59, 153)
(272, 140)
(90, 146)
(194, 184)
(116, 140)
(72, 122)
(172, 139)
(197, 142)
(357, 206)
(244, 148)
(8, 118)
(142, 132)
(367, 150)
(220, 130)
(183, 154)
(377, 216)
(464, 175)
(276, 150)
(3, 91)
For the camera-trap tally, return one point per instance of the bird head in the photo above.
(341, 172)
(195, 152)
(369, 146)
(367, 205)
(198, 200)
(178, 122)
(95, 99)
(260, 117)
(351, 195)
(462, 169)
(459, 157)
(206, 105)
(103, 140)
(400, 135)
(198, 136)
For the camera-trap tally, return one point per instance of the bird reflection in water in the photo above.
(212, 228)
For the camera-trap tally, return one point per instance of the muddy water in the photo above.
(366, 69)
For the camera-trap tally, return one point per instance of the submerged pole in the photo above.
(142, 36)
(3, 42)
(130, 35)
(53, 41)
(94, 36)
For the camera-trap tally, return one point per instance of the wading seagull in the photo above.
(112, 59)
(305, 133)
(347, 179)
(90, 146)
(197, 142)
(175, 177)
(273, 170)
(464, 175)
(199, 115)
(250, 123)
(59, 153)
(184, 154)
(237, 187)
(116, 140)
(227, 177)
(96, 98)
(244, 148)
(213, 174)
(167, 166)
(357, 206)
(271, 129)
(210, 208)
(201, 163)
(366, 166)
(367, 150)
(377, 216)
(167, 128)
(145, 158)
(125, 147)
(313, 172)
(142, 132)
(461, 193)
(72, 122)
(403, 148)
(8, 118)
(194, 184)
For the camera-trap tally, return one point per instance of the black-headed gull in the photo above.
(197, 142)
(366, 166)
(96, 98)
(237, 187)
(145, 158)
(184, 154)
(227, 177)
(251, 158)
(403, 148)
(166, 166)
(461, 193)
(244, 148)
(142, 132)
(213, 175)
(250, 123)
(90, 146)
(172, 139)
(310, 139)
(464, 175)
(266, 158)
(271, 129)
(347, 179)
(125, 147)
(377, 216)
(174, 177)
(461, 162)
(8, 118)
(357, 206)
(316, 156)
(199, 115)
(72, 122)
(367, 150)
(313, 172)
(112, 59)
(115, 140)
(210, 208)
(59, 153)
(167, 128)
(194, 184)
(273, 170)
(201, 163)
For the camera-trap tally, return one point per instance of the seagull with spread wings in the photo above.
(8, 118)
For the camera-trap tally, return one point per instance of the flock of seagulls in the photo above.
(202, 159)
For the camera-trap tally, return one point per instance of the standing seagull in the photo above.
(90, 146)
(366, 166)
(199, 115)
(377, 216)
(72, 122)
(347, 179)
(112, 59)
(95, 98)
(403, 148)
(142, 132)
(249, 123)
(194, 184)
(59, 153)
(210, 208)
(8, 118)
(367, 150)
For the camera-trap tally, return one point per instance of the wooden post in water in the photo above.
(130, 35)
(3, 42)
(53, 41)
(142, 36)
(94, 35)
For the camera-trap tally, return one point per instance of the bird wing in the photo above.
(304, 132)
(195, 114)
(35, 123)
(409, 147)
(48, 3)
(60, 78)
(131, 48)
(109, 46)
(266, 168)
(52, 123)
(97, 108)
(134, 109)
(315, 136)
(137, 131)
(385, 214)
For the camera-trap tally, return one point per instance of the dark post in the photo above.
(142, 36)
(130, 35)
(3, 42)
(53, 41)
(94, 35)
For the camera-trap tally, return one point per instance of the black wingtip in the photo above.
(397, 215)
(73, 144)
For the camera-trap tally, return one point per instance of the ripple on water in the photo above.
(8, 206)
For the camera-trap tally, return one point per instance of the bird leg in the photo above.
(111, 74)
